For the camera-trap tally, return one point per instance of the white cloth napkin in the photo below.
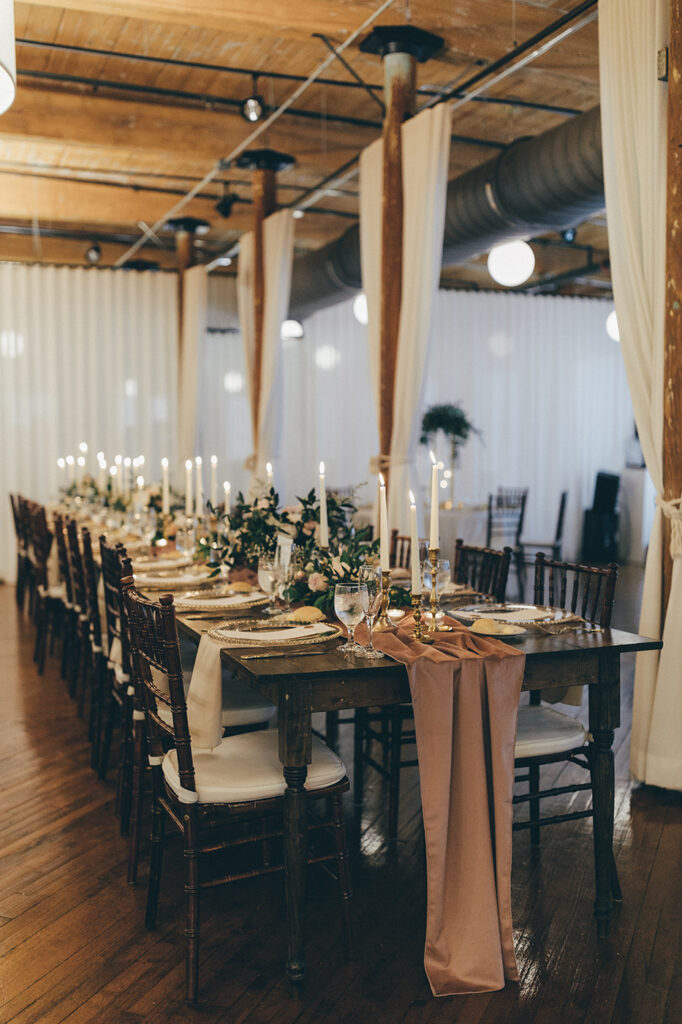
(268, 636)
(180, 579)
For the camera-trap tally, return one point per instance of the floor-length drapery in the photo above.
(85, 355)
(193, 329)
(278, 253)
(634, 130)
(425, 148)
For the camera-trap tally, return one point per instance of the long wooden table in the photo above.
(329, 681)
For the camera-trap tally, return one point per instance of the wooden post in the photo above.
(184, 251)
(264, 192)
(672, 398)
(399, 85)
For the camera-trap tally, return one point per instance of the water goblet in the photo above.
(370, 592)
(185, 540)
(348, 608)
(269, 574)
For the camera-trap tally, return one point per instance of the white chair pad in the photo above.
(241, 704)
(247, 767)
(543, 731)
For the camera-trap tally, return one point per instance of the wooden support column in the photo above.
(264, 165)
(184, 252)
(400, 46)
(399, 86)
(264, 191)
(672, 399)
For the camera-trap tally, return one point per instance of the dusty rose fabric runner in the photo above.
(465, 692)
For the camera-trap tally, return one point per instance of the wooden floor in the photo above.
(73, 946)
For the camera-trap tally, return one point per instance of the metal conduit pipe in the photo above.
(545, 183)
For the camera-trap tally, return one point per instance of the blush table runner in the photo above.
(465, 693)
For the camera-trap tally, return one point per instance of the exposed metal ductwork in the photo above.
(544, 183)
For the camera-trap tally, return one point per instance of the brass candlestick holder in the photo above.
(418, 631)
(383, 622)
(433, 559)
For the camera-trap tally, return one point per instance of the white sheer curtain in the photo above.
(193, 329)
(85, 355)
(634, 128)
(278, 253)
(538, 376)
(426, 149)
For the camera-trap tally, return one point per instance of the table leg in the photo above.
(295, 754)
(604, 718)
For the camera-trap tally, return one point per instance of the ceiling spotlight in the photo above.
(93, 254)
(291, 329)
(512, 263)
(225, 204)
(569, 235)
(360, 309)
(612, 326)
(253, 107)
(297, 214)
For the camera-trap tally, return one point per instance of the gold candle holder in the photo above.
(418, 631)
(383, 622)
(433, 559)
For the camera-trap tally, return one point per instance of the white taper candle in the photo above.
(414, 547)
(324, 524)
(383, 526)
(433, 533)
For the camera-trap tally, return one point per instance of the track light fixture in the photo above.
(225, 204)
(93, 254)
(253, 106)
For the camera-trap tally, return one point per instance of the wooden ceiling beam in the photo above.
(273, 17)
(102, 122)
(71, 251)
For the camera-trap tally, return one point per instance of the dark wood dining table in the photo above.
(329, 681)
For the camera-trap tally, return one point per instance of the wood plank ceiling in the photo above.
(118, 115)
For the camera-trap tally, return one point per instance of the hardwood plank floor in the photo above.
(73, 946)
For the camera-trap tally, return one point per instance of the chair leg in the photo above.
(137, 797)
(521, 574)
(331, 728)
(96, 708)
(343, 870)
(534, 804)
(394, 771)
(107, 733)
(155, 864)
(66, 643)
(385, 736)
(191, 915)
(616, 890)
(42, 622)
(358, 751)
(125, 767)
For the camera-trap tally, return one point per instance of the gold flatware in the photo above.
(286, 652)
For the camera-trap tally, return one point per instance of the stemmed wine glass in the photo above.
(370, 592)
(269, 574)
(185, 539)
(348, 608)
(440, 578)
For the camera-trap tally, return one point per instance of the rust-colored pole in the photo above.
(184, 254)
(399, 90)
(672, 393)
(264, 190)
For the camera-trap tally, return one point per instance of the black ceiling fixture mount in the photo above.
(384, 39)
(226, 203)
(192, 225)
(253, 107)
(93, 254)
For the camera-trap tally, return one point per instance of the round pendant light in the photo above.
(612, 326)
(8, 60)
(360, 309)
(512, 263)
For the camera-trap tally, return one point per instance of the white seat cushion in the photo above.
(247, 767)
(543, 731)
(241, 704)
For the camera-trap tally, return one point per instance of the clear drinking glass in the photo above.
(268, 580)
(185, 539)
(370, 593)
(442, 576)
(348, 608)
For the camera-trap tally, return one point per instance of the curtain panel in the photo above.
(85, 355)
(426, 149)
(278, 255)
(193, 331)
(634, 132)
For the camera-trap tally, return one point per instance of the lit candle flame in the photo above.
(322, 469)
(412, 499)
(214, 460)
(433, 458)
(164, 463)
(197, 461)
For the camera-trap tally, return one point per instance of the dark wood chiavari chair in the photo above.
(552, 548)
(26, 516)
(49, 600)
(70, 624)
(545, 735)
(23, 560)
(81, 654)
(98, 662)
(485, 570)
(400, 550)
(202, 794)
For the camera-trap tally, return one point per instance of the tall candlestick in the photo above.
(61, 464)
(71, 463)
(199, 503)
(433, 534)
(165, 489)
(140, 483)
(414, 548)
(127, 474)
(324, 524)
(226, 496)
(383, 526)
(83, 448)
(268, 471)
(102, 475)
(214, 481)
(113, 473)
(188, 488)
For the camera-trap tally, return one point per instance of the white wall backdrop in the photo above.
(85, 355)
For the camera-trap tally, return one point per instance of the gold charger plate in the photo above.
(331, 631)
(211, 605)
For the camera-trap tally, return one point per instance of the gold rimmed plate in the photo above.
(221, 605)
(278, 636)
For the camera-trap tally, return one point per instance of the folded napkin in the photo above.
(276, 635)
(465, 693)
(205, 697)
(172, 580)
